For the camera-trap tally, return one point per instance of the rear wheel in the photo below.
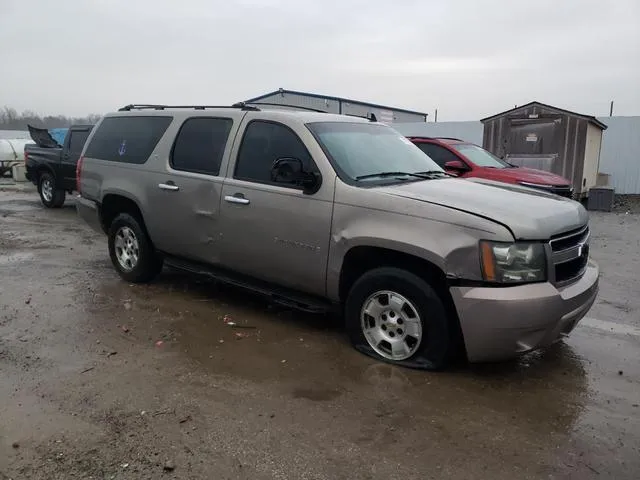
(49, 195)
(131, 251)
(395, 316)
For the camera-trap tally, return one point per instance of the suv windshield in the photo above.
(366, 149)
(480, 156)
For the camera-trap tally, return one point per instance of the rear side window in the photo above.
(264, 143)
(200, 145)
(127, 139)
(438, 154)
(76, 142)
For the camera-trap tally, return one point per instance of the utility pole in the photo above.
(611, 109)
(435, 117)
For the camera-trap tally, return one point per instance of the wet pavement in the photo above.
(106, 380)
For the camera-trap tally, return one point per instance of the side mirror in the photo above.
(290, 171)
(456, 165)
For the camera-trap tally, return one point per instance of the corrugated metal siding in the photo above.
(347, 108)
(330, 106)
(620, 154)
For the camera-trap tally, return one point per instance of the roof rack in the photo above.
(133, 106)
(451, 138)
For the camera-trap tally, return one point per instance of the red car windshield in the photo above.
(480, 156)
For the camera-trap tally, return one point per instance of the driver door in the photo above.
(272, 230)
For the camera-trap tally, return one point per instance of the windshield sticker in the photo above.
(123, 148)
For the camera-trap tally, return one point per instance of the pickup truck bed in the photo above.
(52, 167)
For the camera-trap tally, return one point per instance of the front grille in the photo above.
(570, 254)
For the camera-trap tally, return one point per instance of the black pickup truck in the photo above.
(51, 166)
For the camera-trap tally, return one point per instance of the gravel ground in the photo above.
(106, 380)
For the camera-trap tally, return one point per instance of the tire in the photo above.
(129, 240)
(49, 195)
(411, 330)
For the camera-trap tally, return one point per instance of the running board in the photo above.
(277, 294)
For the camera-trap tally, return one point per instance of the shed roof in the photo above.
(590, 118)
(336, 99)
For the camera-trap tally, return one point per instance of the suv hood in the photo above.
(529, 214)
(530, 175)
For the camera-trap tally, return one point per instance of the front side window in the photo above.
(364, 149)
(262, 144)
(438, 154)
(200, 145)
(127, 139)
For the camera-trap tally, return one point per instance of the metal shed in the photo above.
(340, 105)
(548, 138)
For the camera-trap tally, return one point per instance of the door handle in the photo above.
(168, 186)
(237, 198)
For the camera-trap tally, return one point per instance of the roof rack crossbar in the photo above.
(134, 106)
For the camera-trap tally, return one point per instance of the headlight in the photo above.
(513, 262)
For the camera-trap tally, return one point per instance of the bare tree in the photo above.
(10, 119)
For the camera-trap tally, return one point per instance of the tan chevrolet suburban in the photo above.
(321, 211)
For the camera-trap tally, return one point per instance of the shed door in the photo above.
(538, 137)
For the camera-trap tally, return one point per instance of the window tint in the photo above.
(438, 154)
(200, 145)
(76, 142)
(127, 139)
(265, 142)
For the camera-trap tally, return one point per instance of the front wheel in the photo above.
(131, 251)
(49, 195)
(397, 317)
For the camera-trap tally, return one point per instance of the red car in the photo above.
(466, 160)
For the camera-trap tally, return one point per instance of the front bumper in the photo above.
(88, 211)
(501, 323)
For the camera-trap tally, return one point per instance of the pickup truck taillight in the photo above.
(78, 173)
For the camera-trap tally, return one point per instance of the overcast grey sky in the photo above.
(468, 58)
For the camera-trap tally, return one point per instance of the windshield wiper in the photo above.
(434, 172)
(423, 175)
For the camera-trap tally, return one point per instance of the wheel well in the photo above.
(359, 260)
(112, 205)
(42, 169)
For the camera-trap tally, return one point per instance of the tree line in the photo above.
(10, 119)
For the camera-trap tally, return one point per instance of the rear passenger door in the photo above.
(184, 199)
(272, 230)
(74, 143)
